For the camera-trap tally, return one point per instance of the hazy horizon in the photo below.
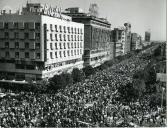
(142, 14)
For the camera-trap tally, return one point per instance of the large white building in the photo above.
(39, 43)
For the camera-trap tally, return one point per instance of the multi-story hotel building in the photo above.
(39, 43)
(97, 37)
(136, 41)
(118, 36)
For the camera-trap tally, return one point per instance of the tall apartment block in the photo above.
(118, 36)
(127, 37)
(147, 37)
(39, 43)
(97, 38)
(136, 41)
(122, 38)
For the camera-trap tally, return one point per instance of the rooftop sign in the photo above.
(55, 12)
(48, 10)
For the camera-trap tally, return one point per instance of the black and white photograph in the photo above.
(82, 63)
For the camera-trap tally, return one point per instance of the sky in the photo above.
(142, 14)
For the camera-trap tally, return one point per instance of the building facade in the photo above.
(127, 38)
(147, 36)
(97, 37)
(39, 43)
(136, 41)
(122, 38)
(118, 36)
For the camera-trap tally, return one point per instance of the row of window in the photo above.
(68, 37)
(101, 38)
(20, 25)
(17, 35)
(17, 55)
(26, 35)
(66, 45)
(33, 25)
(66, 29)
(26, 45)
(37, 45)
(65, 54)
(102, 33)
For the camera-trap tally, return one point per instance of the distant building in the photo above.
(39, 43)
(147, 36)
(122, 38)
(136, 41)
(127, 38)
(118, 36)
(97, 38)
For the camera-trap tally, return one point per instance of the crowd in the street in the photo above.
(92, 102)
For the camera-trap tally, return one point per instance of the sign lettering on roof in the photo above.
(50, 11)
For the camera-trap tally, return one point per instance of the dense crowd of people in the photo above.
(92, 102)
